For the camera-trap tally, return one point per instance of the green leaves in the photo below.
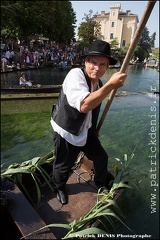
(20, 16)
(34, 168)
(105, 210)
(11, 171)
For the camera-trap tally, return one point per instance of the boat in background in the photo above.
(38, 88)
(117, 65)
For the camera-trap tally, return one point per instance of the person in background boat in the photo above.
(74, 118)
(117, 65)
(23, 81)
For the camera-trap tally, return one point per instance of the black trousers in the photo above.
(66, 155)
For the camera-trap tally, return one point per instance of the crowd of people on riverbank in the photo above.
(22, 57)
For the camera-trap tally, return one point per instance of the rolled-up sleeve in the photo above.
(75, 88)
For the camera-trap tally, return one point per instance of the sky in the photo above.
(136, 7)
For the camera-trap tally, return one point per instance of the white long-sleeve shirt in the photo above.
(76, 89)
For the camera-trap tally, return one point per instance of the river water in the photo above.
(131, 126)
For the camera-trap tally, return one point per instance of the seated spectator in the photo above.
(18, 66)
(13, 65)
(23, 81)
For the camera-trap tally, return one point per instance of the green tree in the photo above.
(140, 53)
(144, 45)
(88, 30)
(114, 43)
(152, 39)
(144, 41)
(156, 53)
(120, 54)
(52, 19)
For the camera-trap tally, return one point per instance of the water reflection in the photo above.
(139, 79)
(48, 76)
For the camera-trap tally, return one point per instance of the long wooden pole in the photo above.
(128, 56)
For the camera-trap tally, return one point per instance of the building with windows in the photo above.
(117, 24)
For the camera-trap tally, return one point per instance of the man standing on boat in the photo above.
(75, 116)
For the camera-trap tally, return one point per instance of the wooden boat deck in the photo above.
(82, 196)
(25, 217)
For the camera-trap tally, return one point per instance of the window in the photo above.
(111, 36)
(123, 43)
(112, 24)
(113, 13)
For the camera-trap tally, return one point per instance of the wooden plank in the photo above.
(81, 198)
(26, 218)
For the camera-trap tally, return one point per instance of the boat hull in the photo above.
(33, 89)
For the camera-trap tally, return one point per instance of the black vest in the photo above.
(69, 118)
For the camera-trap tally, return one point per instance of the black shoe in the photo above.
(61, 197)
